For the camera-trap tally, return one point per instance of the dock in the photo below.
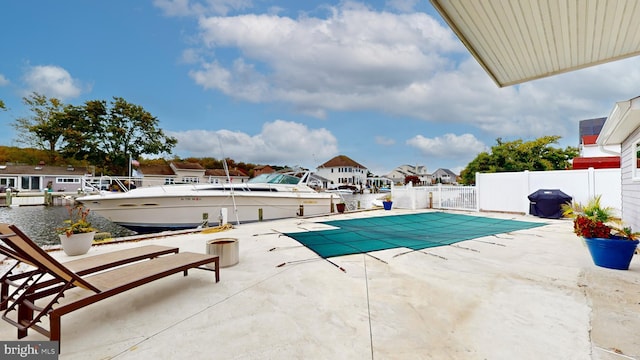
(27, 198)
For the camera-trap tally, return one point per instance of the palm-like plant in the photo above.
(594, 220)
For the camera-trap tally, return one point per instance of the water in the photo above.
(40, 222)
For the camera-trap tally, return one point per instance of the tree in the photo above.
(2, 106)
(42, 129)
(535, 155)
(414, 180)
(108, 135)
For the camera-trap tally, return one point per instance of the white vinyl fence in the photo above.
(438, 197)
(508, 192)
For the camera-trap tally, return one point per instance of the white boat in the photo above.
(265, 197)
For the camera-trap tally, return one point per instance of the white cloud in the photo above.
(3, 80)
(354, 59)
(253, 88)
(406, 65)
(280, 142)
(449, 146)
(52, 81)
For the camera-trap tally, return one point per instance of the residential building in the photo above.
(597, 157)
(40, 177)
(185, 173)
(263, 169)
(219, 176)
(188, 172)
(444, 176)
(151, 175)
(593, 155)
(342, 170)
(399, 174)
(623, 128)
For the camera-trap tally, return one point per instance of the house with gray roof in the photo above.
(444, 176)
(399, 174)
(37, 178)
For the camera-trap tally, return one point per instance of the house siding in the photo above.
(630, 187)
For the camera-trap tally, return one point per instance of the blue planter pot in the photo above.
(611, 253)
(387, 204)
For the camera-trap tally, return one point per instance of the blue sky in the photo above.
(292, 82)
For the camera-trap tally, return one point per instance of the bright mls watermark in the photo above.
(31, 350)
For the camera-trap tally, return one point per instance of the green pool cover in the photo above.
(414, 231)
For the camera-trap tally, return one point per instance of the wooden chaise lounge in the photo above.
(98, 286)
(83, 266)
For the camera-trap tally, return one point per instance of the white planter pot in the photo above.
(77, 244)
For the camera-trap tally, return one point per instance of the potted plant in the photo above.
(76, 236)
(610, 246)
(387, 202)
(341, 206)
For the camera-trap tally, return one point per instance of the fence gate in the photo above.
(439, 196)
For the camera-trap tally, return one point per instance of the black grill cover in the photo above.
(547, 203)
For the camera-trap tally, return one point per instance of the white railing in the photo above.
(455, 197)
(439, 196)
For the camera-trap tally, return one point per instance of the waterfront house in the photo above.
(444, 176)
(150, 175)
(263, 169)
(184, 173)
(219, 176)
(37, 178)
(342, 170)
(399, 174)
(188, 172)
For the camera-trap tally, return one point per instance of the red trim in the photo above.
(589, 139)
(603, 162)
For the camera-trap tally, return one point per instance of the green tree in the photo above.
(42, 129)
(2, 106)
(108, 135)
(518, 155)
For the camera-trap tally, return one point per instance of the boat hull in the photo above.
(147, 213)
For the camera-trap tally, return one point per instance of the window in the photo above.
(67, 180)
(190, 180)
(169, 181)
(8, 182)
(30, 183)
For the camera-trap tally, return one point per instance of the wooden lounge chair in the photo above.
(83, 266)
(98, 286)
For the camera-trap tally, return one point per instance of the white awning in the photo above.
(521, 40)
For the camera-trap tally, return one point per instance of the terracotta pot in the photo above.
(77, 244)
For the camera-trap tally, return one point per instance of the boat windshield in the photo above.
(275, 179)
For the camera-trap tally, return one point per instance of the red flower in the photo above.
(585, 227)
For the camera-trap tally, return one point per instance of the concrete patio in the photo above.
(530, 294)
